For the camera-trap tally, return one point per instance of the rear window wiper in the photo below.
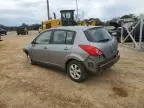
(104, 40)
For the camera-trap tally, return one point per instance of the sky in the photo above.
(16, 12)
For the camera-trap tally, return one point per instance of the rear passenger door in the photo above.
(61, 44)
(56, 49)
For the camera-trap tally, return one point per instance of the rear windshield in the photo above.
(97, 35)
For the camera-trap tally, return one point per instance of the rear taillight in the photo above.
(93, 51)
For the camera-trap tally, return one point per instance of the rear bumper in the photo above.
(94, 66)
(109, 63)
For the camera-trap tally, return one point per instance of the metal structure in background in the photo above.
(48, 13)
(134, 44)
(77, 9)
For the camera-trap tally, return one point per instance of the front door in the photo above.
(40, 47)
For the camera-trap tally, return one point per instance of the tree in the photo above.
(128, 16)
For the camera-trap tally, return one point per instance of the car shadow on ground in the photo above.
(53, 68)
(91, 76)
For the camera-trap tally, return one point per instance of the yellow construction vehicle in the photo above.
(67, 19)
(51, 23)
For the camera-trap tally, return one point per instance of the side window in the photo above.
(44, 38)
(59, 37)
(70, 37)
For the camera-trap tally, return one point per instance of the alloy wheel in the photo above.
(75, 71)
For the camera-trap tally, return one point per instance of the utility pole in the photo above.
(48, 13)
(77, 9)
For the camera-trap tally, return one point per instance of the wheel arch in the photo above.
(83, 75)
(73, 59)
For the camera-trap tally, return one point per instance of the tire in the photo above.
(76, 71)
(30, 61)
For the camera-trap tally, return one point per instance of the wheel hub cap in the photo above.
(75, 71)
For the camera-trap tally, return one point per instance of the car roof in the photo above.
(75, 28)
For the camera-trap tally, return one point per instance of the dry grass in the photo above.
(2, 104)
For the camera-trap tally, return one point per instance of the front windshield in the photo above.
(66, 15)
(97, 35)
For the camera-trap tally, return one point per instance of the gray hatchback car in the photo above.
(77, 49)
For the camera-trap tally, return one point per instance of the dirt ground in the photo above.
(31, 86)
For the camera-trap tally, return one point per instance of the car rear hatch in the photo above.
(109, 48)
(101, 39)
